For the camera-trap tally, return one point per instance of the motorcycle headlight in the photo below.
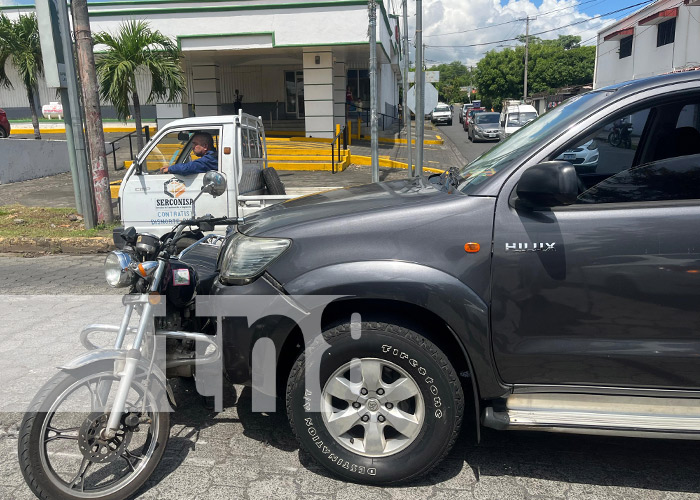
(117, 271)
(245, 257)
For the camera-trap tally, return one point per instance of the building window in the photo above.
(626, 47)
(666, 33)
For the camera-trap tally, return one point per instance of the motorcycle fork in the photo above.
(133, 356)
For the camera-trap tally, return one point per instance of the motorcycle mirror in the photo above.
(214, 183)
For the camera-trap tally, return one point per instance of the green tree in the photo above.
(133, 48)
(19, 44)
(453, 76)
(552, 64)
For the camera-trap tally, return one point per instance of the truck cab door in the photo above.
(153, 201)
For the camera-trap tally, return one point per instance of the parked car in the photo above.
(470, 116)
(483, 127)
(463, 112)
(4, 125)
(441, 114)
(583, 157)
(511, 307)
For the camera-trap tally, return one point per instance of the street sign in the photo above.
(430, 77)
(429, 102)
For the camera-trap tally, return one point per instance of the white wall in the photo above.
(647, 59)
(24, 159)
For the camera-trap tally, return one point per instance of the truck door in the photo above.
(153, 201)
(606, 291)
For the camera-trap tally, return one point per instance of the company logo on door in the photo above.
(173, 209)
(174, 188)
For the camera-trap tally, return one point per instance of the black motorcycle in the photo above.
(99, 428)
(621, 135)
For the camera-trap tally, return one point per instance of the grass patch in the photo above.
(36, 222)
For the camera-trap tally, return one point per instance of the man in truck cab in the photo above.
(207, 158)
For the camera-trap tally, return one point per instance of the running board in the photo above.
(637, 416)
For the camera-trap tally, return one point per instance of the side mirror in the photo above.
(214, 183)
(548, 184)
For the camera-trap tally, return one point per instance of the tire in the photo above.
(614, 139)
(272, 181)
(450, 123)
(429, 412)
(3, 133)
(36, 461)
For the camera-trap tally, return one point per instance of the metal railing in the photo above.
(353, 112)
(343, 133)
(131, 135)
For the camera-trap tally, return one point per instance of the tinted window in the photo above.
(626, 47)
(666, 180)
(666, 33)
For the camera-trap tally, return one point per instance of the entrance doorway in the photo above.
(294, 88)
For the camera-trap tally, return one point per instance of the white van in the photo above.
(514, 116)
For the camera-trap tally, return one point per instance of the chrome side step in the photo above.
(595, 414)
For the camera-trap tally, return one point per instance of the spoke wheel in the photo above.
(388, 408)
(63, 450)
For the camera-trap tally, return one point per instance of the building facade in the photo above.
(292, 63)
(660, 38)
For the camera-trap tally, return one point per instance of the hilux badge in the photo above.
(530, 247)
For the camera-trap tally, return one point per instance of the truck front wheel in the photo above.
(387, 407)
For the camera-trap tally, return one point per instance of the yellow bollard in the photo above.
(359, 127)
(349, 125)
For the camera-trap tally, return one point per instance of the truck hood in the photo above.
(359, 201)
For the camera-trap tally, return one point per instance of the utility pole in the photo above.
(406, 111)
(373, 88)
(71, 116)
(93, 116)
(420, 90)
(527, 49)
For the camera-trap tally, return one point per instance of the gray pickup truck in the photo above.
(537, 296)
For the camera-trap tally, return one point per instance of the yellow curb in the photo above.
(25, 131)
(72, 245)
(385, 162)
(439, 141)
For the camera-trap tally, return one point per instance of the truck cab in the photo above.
(152, 201)
(513, 117)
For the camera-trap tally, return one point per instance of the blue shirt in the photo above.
(210, 161)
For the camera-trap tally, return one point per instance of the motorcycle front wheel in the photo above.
(614, 139)
(61, 452)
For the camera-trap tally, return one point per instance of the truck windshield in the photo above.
(535, 134)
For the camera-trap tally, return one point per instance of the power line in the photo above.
(514, 20)
(546, 31)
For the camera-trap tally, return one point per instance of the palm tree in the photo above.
(19, 43)
(136, 47)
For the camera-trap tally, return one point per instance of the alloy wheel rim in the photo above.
(372, 407)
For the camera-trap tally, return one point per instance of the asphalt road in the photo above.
(241, 454)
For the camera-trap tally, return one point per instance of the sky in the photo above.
(451, 28)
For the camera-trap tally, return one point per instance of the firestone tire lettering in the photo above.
(430, 370)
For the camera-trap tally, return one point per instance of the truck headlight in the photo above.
(245, 257)
(117, 271)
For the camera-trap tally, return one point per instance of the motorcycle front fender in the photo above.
(107, 354)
